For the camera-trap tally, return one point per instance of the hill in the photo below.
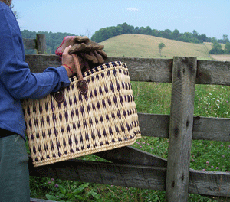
(109, 32)
(146, 46)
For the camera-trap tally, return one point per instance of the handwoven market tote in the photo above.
(83, 118)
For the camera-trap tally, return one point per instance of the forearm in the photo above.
(68, 69)
(24, 84)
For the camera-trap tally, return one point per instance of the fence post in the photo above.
(41, 43)
(180, 129)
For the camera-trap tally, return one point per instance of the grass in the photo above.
(225, 57)
(146, 46)
(210, 101)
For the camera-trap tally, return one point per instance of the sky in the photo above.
(210, 17)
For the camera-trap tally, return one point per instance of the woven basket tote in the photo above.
(73, 122)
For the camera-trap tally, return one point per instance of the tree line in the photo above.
(217, 47)
(194, 37)
(53, 40)
(106, 33)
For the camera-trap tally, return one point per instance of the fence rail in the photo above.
(129, 175)
(39, 43)
(204, 128)
(132, 167)
(151, 70)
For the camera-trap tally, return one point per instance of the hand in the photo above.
(70, 62)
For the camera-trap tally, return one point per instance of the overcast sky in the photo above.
(210, 17)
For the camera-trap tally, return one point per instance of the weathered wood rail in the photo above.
(39, 43)
(135, 168)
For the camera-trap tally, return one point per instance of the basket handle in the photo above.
(59, 96)
(81, 85)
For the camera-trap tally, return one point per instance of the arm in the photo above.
(14, 72)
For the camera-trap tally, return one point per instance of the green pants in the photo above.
(14, 174)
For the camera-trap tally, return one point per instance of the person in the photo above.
(17, 83)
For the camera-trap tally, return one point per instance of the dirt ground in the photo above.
(221, 57)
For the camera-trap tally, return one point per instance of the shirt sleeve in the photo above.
(14, 71)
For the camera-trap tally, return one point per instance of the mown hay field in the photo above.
(146, 46)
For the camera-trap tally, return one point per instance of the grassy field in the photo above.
(225, 57)
(210, 101)
(146, 46)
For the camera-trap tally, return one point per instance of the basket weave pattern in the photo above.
(105, 118)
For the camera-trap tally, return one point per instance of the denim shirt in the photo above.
(16, 80)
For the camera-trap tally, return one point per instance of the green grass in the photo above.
(210, 101)
(146, 46)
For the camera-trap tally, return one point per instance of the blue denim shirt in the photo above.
(16, 80)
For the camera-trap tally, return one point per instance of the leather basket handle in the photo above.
(81, 85)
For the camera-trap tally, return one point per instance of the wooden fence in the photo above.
(39, 43)
(131, 167)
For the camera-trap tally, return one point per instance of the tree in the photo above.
(137, 30)
(155, 32)
(175, 34)
(142, 30)
(161, 46)
(202, 38)
(225, 38)
(126, 29)
(148, 30)
(216, 47)
(167, 34)
(195, 33)
(227, 48)
(106, 33)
